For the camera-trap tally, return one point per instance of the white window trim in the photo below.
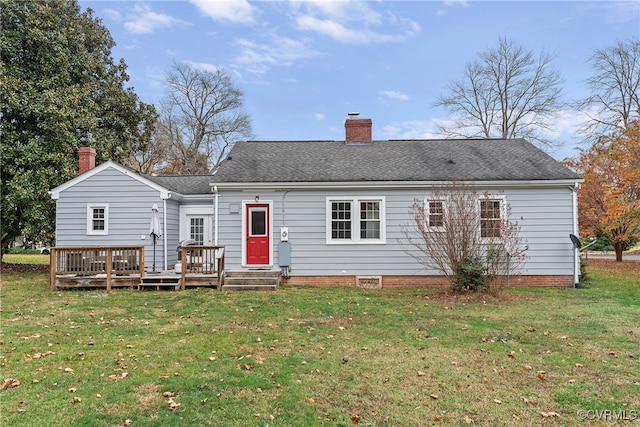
(90, 230)
(355, 221)
(503, 215)
(429, 227)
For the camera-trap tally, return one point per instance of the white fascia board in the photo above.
(249, 186)
(164, 192)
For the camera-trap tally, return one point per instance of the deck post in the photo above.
(183, 269)
(141, 262)
(108, 261)
(52, 268)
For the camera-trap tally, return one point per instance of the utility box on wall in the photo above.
(284, 254)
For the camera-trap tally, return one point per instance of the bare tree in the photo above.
(615, 86)
(505, 93)
(202, 116)
(465, 236)
(155, 154)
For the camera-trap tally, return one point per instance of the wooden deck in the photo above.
(107, 267)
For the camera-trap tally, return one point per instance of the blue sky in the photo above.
(303, 65)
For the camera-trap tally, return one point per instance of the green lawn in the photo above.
(305, 356)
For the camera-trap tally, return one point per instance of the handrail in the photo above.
(95, 260)
(201, 260)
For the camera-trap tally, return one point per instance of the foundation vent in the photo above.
(369, 282)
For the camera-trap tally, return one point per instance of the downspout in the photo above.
(164, 222)
(576, 251)
(215, 215)
(164, 196)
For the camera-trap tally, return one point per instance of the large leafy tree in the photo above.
(60, 89)
(506, 92)
(609, 199)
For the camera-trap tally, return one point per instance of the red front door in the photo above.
(257, 234)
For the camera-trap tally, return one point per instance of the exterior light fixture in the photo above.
(257, 199)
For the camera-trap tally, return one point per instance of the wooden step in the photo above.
(160, 281)
(251, 280)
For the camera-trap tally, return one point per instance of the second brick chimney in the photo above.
(87, 159)
(357, 130)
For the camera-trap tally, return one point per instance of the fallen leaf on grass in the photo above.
(549, 414)
(420, 374)
(173, 405)
(118, 377)
(355, 419)
(469, 420)
(498, 401)
(9, 383)
(76, 399)
(127, 422)
(434, 396)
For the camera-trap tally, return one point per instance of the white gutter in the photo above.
(275, 186)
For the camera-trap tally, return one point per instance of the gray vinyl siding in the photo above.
(130, 203)
(544, 213)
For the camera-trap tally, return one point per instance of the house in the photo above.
(328, 212)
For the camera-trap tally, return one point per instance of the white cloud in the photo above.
(412, 129)
(203, 66)
(621, 11)
(394, 94)
(235, 11)
(257, 57)
(143, 20)
(352, 22)
(113, 14)
(456, 2)
(319, 116)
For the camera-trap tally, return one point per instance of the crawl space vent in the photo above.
(369, 282)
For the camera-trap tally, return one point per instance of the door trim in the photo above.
(243, 260)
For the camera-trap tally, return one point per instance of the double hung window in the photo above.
(98, 220)
(355, 220)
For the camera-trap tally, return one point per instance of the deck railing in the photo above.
(202, 260)
(96, 260)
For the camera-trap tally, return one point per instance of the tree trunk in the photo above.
(619, 247)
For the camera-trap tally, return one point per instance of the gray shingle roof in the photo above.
(395, 160)
(184, 184)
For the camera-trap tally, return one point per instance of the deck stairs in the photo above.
(160, 281)
(251, 280)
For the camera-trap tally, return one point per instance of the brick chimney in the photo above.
(87, 159)
(357, 130)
